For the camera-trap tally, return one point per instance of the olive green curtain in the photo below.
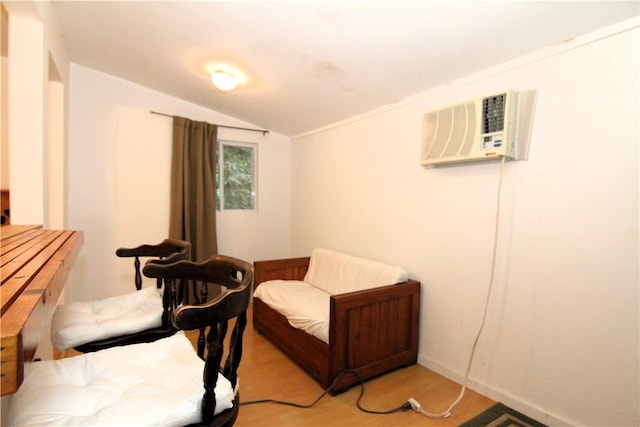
(193, 186)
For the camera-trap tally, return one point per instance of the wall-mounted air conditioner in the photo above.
(485, 128)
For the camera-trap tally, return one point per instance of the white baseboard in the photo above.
(491, 392)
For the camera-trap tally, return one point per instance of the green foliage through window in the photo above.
(237, 191)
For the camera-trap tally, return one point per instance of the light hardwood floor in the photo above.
(266, 373)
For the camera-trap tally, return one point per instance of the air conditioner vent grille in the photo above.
(493, 113)
(483, 128)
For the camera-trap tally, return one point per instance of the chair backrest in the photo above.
(234, 276)
(166, 252)
(174, 249)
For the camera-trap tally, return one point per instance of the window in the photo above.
(236, 176)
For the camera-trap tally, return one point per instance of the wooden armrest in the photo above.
(282, 269)
(375, 327)
(231, 273)
(349, 300)
(163, 249)
(170, 249)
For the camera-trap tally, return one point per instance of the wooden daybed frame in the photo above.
(371, 331)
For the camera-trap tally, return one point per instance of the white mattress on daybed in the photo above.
(305, 306)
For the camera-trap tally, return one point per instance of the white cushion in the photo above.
(151, 384)
(305, 306)
(82, 322)
(338, 273)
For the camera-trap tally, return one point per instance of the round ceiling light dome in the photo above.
(223, 80)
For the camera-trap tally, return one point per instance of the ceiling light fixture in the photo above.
(223, 80)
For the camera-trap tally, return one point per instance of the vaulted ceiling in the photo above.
(307, 64)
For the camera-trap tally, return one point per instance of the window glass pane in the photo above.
(238, 177)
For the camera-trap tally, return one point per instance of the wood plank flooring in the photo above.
(266, 373)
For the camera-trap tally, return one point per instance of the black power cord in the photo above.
(404, 407)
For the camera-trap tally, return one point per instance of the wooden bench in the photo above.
(34, 266)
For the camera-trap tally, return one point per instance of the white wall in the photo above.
(4, 100)
(35, 49)
(561, 341)
(32, 107)
(119, 169)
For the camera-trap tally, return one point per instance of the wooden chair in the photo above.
(139, 316)
(234, 277)
(150, 384)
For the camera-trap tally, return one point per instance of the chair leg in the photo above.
(57, 354)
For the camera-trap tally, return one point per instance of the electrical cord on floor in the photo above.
(404, 407)
(414, 403)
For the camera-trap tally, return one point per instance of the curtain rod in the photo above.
(264, 131)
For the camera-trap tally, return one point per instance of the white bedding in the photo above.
(135, 385)
(305, 306)
(338, 273)
(81, 322)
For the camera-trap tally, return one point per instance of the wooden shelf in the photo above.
(34, 266)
